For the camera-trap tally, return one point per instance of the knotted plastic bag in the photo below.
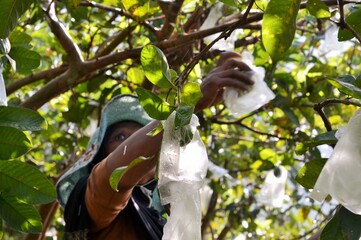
(273, 191)
(182, 170)
(341, 175)
(240, 102)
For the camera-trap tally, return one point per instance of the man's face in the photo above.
(117, 134)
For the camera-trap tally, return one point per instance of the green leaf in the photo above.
(191, 93)
(155, 66)
(308, 174)
(153, 105)
(186, 135)
(26, 182)
(135, 75)
(25, 59)
(173, 75)
(10, 12)
(183, 116)
(19, 215)
(75, 3)
(344, 34)
(347, 84)
(20, 39)
(260, 55)
(21, 118)
(1, 229)
(77, 111)
(13, 143)
(156, 130)
(279, 27)
(344, 225)
(318, 9)
(140, 8)
(324, 138)
(117, 174)
(333, 230)
(353, 20)
(268, 154)
(263, 165)
(78, 13)
(113, 3)
(232, 3)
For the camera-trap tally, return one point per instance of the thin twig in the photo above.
(318, 107)
(226, 33)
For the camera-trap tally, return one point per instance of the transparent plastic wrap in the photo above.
(3, 101)
(341, 174)
(239, 102)
(182, 170)
(273, 191)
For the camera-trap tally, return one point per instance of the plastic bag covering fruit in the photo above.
(273, 191)
(239, 102)
(181, 174)
(3, 101)
(341, 174)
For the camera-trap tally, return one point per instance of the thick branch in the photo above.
(224, 232)
(49, 91)
(70, 79)
(171, 11)
(47, 74)
(62, 35)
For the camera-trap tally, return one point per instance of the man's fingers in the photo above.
(236, 64)
(226, 56)
(230, 82)
(235, 75)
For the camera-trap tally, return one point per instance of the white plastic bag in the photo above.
(341, 175)
(239, 102)
(3, 101)
(181, 174)
(273, 191)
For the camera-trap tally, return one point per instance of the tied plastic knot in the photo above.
(240, 102)
(273, 191)
(340, 177)
(182, 170)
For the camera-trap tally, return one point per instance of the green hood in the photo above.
(120, 108)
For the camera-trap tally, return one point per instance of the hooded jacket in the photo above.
(93, 210)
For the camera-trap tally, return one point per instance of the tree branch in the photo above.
(50, 73)
(343, 24)
(81, 73)
(226, 33)
(207, 217)
(318, 107)
(119, 11)
(61, 34)
(171, 11)
(77, 75)
(224, 232)
(114, 41)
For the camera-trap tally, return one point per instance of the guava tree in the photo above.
(63, 60)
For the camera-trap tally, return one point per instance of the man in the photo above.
(94, 210)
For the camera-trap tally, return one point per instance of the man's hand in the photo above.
(228, 73)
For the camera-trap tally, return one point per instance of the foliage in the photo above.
(21, 184)
(65, 59)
